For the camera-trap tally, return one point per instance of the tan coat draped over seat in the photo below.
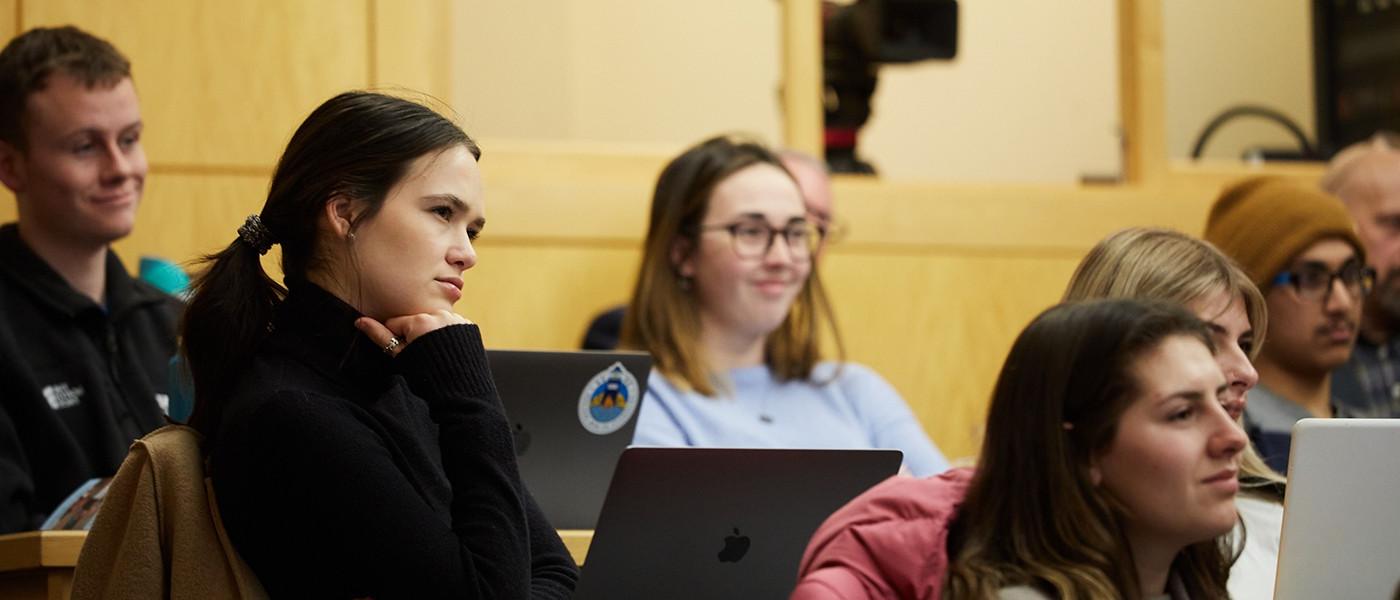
(158, 533)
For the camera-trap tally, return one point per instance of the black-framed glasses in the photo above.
(1314, 283)
(754, 238)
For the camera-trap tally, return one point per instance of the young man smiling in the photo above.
(83, 346)
(1300, 247)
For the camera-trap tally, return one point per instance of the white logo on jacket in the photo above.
(62, 395)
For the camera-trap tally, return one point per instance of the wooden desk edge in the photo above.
(36, 549)
(577, 541)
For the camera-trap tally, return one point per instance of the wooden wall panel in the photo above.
(938, 326)
(183, 216)
(225, 83)
(412, 48)
(9, 19)
(542, 296)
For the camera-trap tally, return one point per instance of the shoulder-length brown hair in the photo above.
(1147, 263)
(663, 317)
(1032, 515)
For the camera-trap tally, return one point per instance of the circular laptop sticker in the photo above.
(608, 400)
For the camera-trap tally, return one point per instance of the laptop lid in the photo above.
(719, 522)
(572, 414)
(1341, 516)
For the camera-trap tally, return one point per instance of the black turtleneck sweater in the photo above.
(341, 472)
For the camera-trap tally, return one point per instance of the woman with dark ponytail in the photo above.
(355, 440)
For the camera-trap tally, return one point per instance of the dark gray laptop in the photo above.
(572, 414)
(719, 522)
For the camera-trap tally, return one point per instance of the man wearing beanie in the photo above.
(1299, 246)
(1366, 176)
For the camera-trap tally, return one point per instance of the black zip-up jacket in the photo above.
(78, 381)
(343, 473)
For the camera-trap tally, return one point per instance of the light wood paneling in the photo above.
(1142, 90)
(801, 91)
(9, 19)
(225, 83)
(547, 192)
(183, 216)
(938, 325)
(543, 295)
(411, 47)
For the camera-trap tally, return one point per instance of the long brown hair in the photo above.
(1032, 515)
(663, 317)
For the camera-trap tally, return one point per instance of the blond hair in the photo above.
(1146, 263)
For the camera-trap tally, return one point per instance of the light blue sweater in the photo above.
(856, 410)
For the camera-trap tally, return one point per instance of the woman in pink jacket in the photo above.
(1108, 470)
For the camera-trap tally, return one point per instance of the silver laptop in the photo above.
(1341, 516)
(719, 522)
(572, 414)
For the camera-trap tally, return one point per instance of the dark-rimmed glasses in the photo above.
(1314, 283)
(754, 238)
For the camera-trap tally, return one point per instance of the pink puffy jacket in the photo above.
(890, 542)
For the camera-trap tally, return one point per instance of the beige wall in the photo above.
(1031, 97)
(662, 74)
(1220, 54)
(1024, 102)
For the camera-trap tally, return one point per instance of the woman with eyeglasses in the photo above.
(729, 305)
(1299, 246)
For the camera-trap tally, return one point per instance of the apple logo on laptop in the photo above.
(735, 547)
(522, 439)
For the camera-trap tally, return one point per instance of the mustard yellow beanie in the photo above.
(1264, 222)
